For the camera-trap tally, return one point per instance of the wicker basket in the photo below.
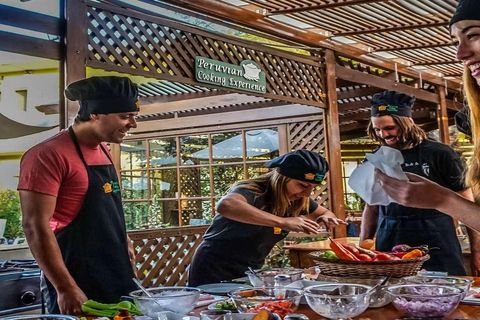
(343, 268)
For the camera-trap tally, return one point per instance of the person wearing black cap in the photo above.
(71, 201)
(423, 193)
(257, 213)
(392, 125)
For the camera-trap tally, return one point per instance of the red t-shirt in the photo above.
(54, 167)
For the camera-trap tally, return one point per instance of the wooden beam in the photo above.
(442, 117)
(12, 42)
(434, 63)
(75, 55)
(354, 93)
(278, 112)
(257, 21)
(423, 46)
(379, 82)
(29, 20)
(264, 123)
(334, 155)
(181, 97)
(152, 105)
(320, 6)
(342, 107)
(391, 29)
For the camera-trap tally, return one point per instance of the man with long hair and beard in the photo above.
(392, 125)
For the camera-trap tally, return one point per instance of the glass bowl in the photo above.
(338, 300)
(267, 277)
(425, 300)
(179, 300)
(279, 300)
(461, 283)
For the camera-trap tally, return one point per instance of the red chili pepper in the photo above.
(382, 257)
(341, 252)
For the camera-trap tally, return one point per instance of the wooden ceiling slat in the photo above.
(408, 27)
(321, 6)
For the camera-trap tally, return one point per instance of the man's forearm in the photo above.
(369, 222)
(46, 252)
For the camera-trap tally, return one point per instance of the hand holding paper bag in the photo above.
(364, 182)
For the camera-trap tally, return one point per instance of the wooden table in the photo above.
(299, 252)
(389, 312)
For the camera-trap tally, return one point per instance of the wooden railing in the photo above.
(163, 255)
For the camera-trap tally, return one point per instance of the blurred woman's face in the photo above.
(297, 189)
(466, 37)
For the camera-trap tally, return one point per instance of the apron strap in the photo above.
(77, 145)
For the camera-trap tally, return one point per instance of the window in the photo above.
(175, 181)
(22, 99)
(352, 200)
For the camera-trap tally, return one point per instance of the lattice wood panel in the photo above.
(310, 136)
(162, 256)
(135, 43)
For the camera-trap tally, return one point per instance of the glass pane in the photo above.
(136, 215)
(262, 144)
(195, 182)
(256, 169)
(194, 150)
(227, 147)
(134, 185)
(169, 211)
(163, 152)
(133, 155)
(225, 176)
(164, 183)
(162, 213)
(195, 212)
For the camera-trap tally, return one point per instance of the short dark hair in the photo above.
(82, 116)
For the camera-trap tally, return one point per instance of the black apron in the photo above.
(94, 245)
(403, 225)
(223, 260)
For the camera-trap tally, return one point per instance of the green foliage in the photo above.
(10, 210)
(354, 202)
(278, 257)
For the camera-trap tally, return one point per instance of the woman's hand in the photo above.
(330, 220)
(300, 224)
(419, 192)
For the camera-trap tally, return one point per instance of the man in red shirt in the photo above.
(71, 201)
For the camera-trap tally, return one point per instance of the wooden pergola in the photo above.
(319, 98)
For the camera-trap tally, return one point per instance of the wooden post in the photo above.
(332, 127)
(442, 117)
(75, 55)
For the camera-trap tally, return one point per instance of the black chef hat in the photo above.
(462, 120)
(301, 165)
(104, 95)
(466, 10)
(392, 102)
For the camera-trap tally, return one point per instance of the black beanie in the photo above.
(301, 165)
(466, 10)
(104, 95)
(392, 102)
